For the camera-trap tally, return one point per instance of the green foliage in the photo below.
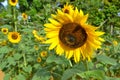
(20, 61)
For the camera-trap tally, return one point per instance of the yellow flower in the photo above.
(39, 38)
(107, 49)
(13, 2)
(43, 53)
(3, 43)
(2, 75)
(24, 16)
(39, 59)
(67, 8)
(69, 34)
(115, 43)
(51, 78)
(4, 30)
(14, 37)
(36, 47)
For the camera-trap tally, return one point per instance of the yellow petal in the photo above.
(69, 17)
(81, 13)
(51, 40)
(52, 34)
(59, 49)
(77, 55)
(84, 19)
(70, 54)
(54, 44)
(101, 39)
(54, 22)
(75, 14)
(49, 25)
(99, 33)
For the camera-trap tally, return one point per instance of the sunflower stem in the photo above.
(14, 19)
(25, 63)
(70, 63)
(86, 65)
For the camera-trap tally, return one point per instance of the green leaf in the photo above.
(57, 60)
(69, 73)
(3, 64)
(106, 60)
(11, 61)
(51, 59)
(27, 69)
(96, 74)
(111, 78)
(4, 49)
(41, 74)
(20, 77)
(17, 56)
(7, 77)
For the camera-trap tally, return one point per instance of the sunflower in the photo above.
(14, 37)
(115, 43)
(13, 2)
(24, 16)
(39, 38)
(3, 43)
(39, 59)
(4, 30)
(43, 53)
(69, 34)
(67, 8)
(36, 47)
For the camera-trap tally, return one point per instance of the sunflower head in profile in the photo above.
(4, 30)
(70, 35)
(24, 16)
(67, 8)
(14, 37)
(13, 2)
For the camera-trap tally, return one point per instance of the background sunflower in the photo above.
(14, 37)
(13, 2)
(4, 30)
(24, 16)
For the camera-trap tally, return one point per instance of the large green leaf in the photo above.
(111, 78)
(41, 74)
(20, 77)
(11, 61)
(57, 59)
(96, 74)
(4, 49)
(69, 73)
(106, 60)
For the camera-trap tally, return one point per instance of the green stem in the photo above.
(70, 63)
(14, 19)
(86, 65)
(24, 58)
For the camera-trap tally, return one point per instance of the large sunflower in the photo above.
(13, 2)
(69, 34)
(14, 37)
(4, 30)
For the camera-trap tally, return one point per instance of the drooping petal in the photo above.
(59, 50)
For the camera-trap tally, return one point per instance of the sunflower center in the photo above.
(72, 35)
(4, 30)
(13, 1)
(66, 11)
(14, 36)
(24, 16)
